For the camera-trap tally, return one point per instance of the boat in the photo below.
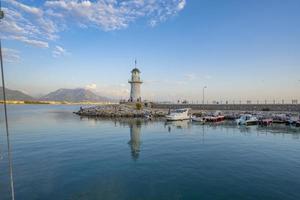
(266, 122)
(294, 121)
(280, 119)
(247, 120)
(216, 117)
(178, 114)
(197, 119)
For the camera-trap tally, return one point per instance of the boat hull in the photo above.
(251, 123)
(266, 122)
(178, 115)
(197, 119)
(214, 119)
(175, 119)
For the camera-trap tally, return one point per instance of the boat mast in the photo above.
(6, 118)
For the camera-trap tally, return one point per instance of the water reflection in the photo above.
(135, 127)
(185, 124)
(172, 165)
(228, 127)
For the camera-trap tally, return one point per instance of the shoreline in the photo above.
(18, 102)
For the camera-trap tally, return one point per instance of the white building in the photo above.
(135, 82)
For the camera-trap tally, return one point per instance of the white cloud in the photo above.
(11, 55)
(91, 86)
(39, 26)
(59, 51)
(181, 4)
(35, 31)
(33, 42)
(26, 8)
(51, 13)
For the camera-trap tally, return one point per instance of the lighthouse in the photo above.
(135, 83)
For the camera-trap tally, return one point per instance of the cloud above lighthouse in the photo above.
(40, 24)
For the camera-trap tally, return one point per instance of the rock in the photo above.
(119, 111)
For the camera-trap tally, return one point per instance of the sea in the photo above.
(59, 155)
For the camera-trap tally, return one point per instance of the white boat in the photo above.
(178, 114)
(197, 119)
(247, 120)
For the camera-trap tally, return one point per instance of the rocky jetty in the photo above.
(134, 111)
(120, 111)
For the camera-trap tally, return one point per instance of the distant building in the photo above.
(135, 82)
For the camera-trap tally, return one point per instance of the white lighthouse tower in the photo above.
(135, 82)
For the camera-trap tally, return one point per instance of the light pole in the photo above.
(203, 94)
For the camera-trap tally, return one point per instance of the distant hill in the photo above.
(74, 95)
(15, 95)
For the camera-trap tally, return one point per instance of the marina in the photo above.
(240, 117)
(66, 156)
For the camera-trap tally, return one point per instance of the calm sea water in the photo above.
(58, 155)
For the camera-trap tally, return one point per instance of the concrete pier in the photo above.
(233, 107)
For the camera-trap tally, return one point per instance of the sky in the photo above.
(239, 49)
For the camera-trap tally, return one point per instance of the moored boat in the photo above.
(280, 119)
(178, 114)
(197, 119)
(247, 120)
(216, 117)
(294, 121)
(266, 122)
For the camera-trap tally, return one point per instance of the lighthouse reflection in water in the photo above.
(135, 138)
(135, 127)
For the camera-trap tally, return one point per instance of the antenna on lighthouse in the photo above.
(135, 63)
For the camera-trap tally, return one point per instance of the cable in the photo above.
(6, 120)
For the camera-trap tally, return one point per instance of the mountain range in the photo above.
(15, 95)
(69, 95)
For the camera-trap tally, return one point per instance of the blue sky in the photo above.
(239, 49)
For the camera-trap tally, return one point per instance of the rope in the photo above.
(6, 121)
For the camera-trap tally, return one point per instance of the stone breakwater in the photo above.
(120, 111)
(130, 111)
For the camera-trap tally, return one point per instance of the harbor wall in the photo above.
(237, 107)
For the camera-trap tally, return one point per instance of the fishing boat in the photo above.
(247, 120)
(216, 117)
(178, 114)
